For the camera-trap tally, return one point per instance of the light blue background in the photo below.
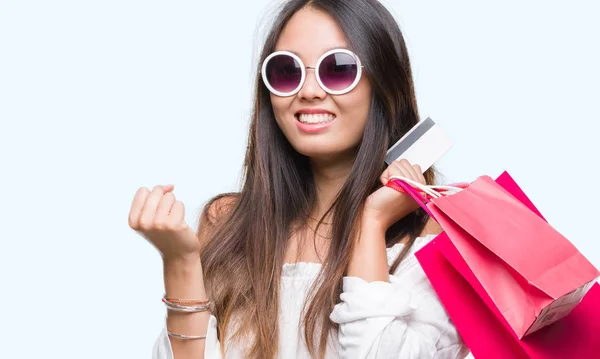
(98, 98)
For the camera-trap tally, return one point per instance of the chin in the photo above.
(322, 149)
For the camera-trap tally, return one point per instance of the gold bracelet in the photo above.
(186, 301)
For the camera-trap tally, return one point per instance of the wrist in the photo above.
(374, 223)
(184, 278)
(188, 260)
(182, 267)
(369, 258)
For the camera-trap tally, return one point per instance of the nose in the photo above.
(311, 90)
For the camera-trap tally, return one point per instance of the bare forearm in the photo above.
(184, 280)
(369, 260)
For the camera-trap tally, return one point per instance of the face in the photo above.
(310, 33)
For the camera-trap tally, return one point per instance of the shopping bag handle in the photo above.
(433, 191)
(428, 190)
(411, 191)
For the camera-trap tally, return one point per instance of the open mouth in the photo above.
(315, 119)
(313, 123)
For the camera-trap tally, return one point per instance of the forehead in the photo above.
(310, 33)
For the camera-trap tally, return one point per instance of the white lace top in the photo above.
(401, 319)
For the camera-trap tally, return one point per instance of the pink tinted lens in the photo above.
(338, 71)
(283, 73)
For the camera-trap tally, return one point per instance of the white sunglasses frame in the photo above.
(303, 68)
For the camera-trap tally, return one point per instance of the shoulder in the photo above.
(219, 206)
(215, 211)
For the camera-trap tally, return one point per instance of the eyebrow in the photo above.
(328, 49)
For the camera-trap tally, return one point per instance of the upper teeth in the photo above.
(315, 118)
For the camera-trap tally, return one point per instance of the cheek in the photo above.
(355, 105)
(280, 107)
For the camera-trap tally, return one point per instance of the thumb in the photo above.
(385, 176)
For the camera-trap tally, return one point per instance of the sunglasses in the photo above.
(337, 71)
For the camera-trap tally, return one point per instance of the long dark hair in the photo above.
(244, 255)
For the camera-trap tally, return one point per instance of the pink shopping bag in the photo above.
(499, 279)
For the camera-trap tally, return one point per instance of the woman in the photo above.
(313, 257)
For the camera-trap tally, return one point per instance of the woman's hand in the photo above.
(159, 218)
(386, 206)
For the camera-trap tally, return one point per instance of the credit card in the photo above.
(423, 145)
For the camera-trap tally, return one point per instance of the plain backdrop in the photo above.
(99, 98)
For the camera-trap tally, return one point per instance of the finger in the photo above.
(150, 207)
(391, 171)
(394, 169)
(403, 162)
(420, 175)
(136, 206)
(400, 168)
(410, 170)
(165, 205)
(177, 213)
(413, 172)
